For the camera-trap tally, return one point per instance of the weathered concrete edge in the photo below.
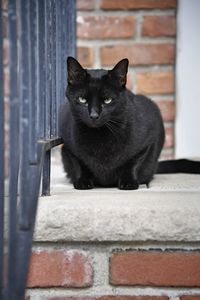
(119, 216)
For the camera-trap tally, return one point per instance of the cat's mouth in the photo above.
(95, 124)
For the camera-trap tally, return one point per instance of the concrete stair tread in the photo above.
(168, 211)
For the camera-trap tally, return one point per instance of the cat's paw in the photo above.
(128, 184)
(83, 184)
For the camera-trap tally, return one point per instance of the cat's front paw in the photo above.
(128, 184)
(83, 184)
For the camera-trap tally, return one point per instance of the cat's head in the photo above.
(96, 96)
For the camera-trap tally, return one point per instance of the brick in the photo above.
(155, 82)
(139, 54)
(6, 167)
(60, 268)
(85, 4)
(85, 56)
(4, 4)
(5, 52)
(169, 137)
(155, 26)
(104, 27)
(166, 153)
(6, 82)
(167, 108)
(5, 24)
(135, 4)
(155, 268)
(112, 298)
(129, 83)
(6, 139)
(6, 111)
(190, 297)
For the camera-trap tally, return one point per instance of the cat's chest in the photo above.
(104, 153)
(102, 148)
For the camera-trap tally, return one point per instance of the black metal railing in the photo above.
(1, 156)
(41, 36)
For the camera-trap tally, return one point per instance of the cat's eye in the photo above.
(82, 100)
(107, 100)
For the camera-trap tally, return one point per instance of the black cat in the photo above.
(111, 136)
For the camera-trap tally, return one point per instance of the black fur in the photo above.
(114, 144)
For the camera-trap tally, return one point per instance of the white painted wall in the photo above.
(187, 127)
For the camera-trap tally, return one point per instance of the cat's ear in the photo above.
(76, 73)
(119, 72)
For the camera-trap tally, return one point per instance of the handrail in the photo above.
(1, 155)
(41, 36)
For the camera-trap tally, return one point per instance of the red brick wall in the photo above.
(155, 268)
(106, 273)
(144, 31)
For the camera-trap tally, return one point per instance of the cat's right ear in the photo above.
(119, 73)
(76, 74)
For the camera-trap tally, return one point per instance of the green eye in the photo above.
(82, 100)
(107, 100)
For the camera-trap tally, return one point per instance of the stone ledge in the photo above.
(168, 211)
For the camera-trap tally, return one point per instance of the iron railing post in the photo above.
(1, 155)
(41, 36)
(14, 148)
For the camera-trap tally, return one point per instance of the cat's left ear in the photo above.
(119, 72)
(76, 73)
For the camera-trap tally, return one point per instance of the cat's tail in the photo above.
(178, 166)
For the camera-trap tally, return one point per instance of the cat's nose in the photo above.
(94, 115)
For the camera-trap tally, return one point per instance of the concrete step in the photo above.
(168, 211)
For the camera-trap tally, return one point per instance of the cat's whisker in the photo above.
(117, 122)
(115, 126)
(112, 130)
(78, 119)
